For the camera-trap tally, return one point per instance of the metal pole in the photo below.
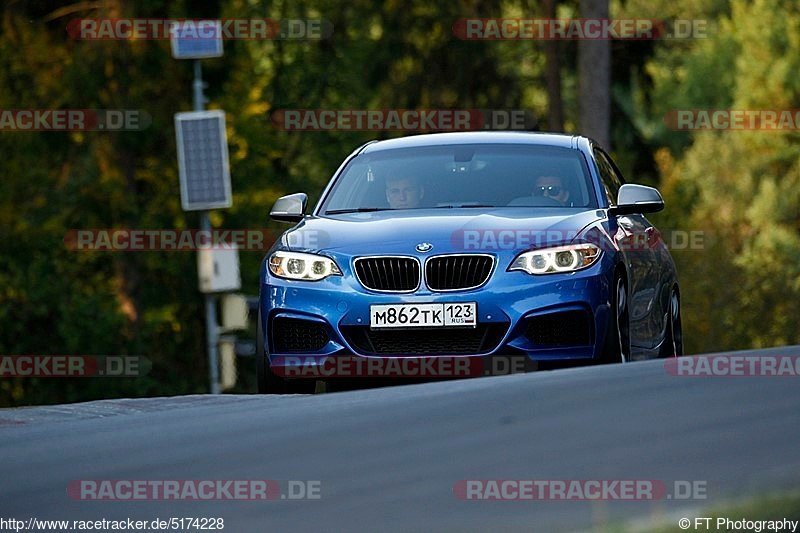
(198, 99)
(212, 330)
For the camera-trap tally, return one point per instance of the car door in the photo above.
(633, 234)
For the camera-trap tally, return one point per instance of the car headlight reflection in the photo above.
(560, 259)
(300, 266)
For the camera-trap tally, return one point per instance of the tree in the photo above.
(555, 110)
(594, 78)
(740, 188)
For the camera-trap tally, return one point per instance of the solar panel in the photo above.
(203, 160)
(196, 39)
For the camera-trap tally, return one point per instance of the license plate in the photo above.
(423, 315)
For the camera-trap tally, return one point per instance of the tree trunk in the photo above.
(555, 111)
(594, 79)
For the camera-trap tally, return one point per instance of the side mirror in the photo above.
(637, 199)
(289, 208)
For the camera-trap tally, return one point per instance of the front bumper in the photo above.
(543, 318)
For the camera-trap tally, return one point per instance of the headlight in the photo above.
(555, 260)
(309, 267)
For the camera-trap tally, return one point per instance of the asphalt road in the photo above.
(388, 459)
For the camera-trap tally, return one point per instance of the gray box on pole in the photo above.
(205, 176)
(218, 269)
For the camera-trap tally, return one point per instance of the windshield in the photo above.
(463, 176)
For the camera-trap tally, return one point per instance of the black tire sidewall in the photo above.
(611, 348)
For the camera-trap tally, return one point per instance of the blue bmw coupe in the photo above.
(482, 244)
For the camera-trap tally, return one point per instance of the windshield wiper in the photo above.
(356, 210)
(460, 206)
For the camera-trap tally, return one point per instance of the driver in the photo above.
(403, 192)
(551, 187)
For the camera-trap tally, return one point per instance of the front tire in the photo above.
(617, 347)
(673, 340)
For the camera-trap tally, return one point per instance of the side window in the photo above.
(609, 175)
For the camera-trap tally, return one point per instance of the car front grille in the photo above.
(389, 274)
(457, 272)
(565, 328)
(297, 335)
(425, 341)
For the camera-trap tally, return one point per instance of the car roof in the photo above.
(475, 137)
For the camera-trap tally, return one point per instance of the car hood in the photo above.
(447, 230)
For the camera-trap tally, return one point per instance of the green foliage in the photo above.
(53, 300)
(742, 188)
(743, 290)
